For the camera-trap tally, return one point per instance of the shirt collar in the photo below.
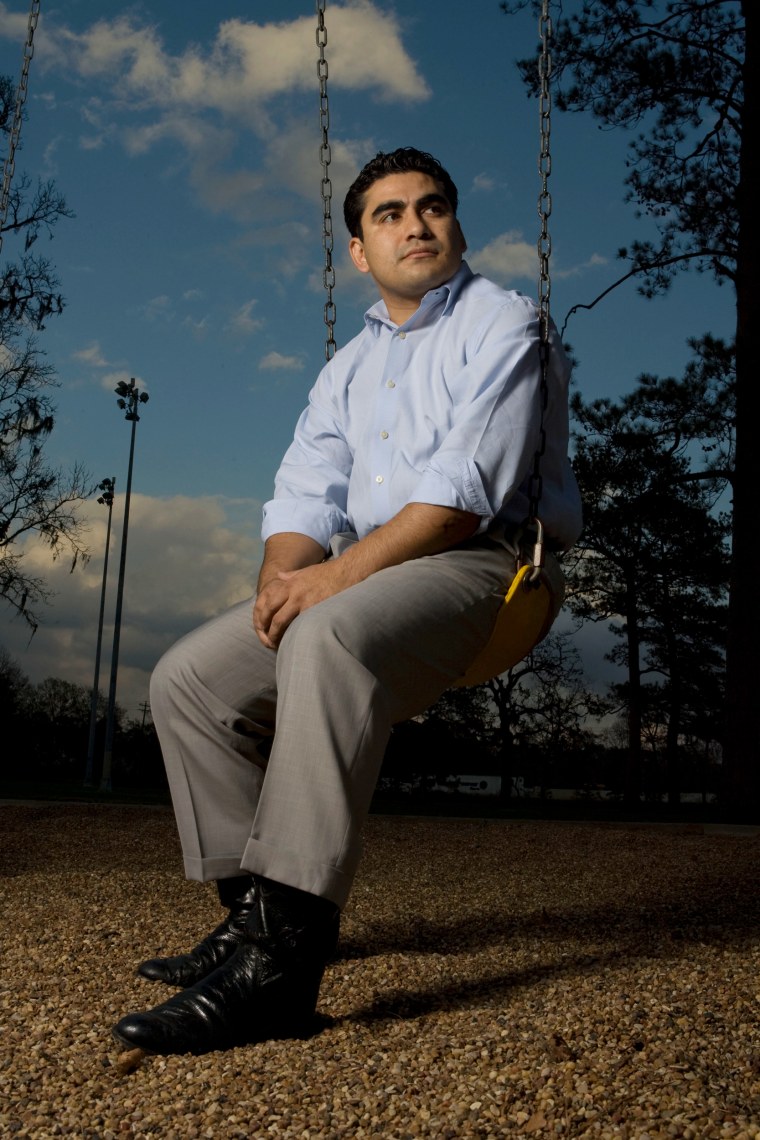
(444, 298)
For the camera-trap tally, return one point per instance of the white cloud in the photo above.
(243, 323)
(204, 97)
(246, 65)
(483, 182)
(91, 142)
(165, 308)
(188, 559)
(193, 134)
(292, 153)
(510, 258)
(91, 355)
(49, 160)
(276, 362)
(505, 259)
(240, 193)
(100, 129)
(593, 262)
(48, 99)
(13, 25)
(200, 328)
(283, 250)
(158, 308)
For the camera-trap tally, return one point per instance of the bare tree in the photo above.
(35, 498)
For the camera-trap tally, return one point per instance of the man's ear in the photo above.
(356, 249)
(464, 239)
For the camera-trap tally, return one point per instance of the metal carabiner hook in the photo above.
(534, 577)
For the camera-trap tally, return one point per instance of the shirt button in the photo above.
(383, 434)
(390, 384)
(378, 478)
(402, 336)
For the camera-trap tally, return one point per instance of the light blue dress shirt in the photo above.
(444, 409)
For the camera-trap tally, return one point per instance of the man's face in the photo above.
(411, 241)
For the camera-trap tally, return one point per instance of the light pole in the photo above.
(130, 397)
(106, 499)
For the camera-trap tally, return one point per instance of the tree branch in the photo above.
(639, 270)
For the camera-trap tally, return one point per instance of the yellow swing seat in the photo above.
(530, 606)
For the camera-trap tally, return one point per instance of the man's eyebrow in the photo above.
(398, 204)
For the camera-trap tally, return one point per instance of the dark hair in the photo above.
(405, 160)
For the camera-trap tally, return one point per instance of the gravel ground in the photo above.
(495, 978)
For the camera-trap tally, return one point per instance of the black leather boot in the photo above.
(267, 989)
(187, 969)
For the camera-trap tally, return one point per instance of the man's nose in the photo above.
(418, 226)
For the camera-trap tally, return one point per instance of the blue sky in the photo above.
(189, 151)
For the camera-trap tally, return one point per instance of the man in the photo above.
(388, 546)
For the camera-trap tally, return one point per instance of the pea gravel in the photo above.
(495, 978)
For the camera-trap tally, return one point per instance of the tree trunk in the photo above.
(500, 695)
(741, 787)
(633, 765)
(675, 701)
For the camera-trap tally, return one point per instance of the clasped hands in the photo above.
(289, 593)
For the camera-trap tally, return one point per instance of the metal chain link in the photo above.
(545, 165)
(328, 274)
(9, 167)
(545, 30)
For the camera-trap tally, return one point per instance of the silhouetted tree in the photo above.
(138, 759)
(14, 695)
(57, 727)
(544, 708)
(34, 497)
(683, 75)
(652, 555)
(452, 738)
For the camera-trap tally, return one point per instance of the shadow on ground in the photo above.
(494, 978)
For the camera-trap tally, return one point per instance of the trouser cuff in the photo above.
(293, 870)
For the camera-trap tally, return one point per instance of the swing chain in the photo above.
(545, 167)
(544, 276)
(328, 274)
(15, 131)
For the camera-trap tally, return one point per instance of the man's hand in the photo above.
(294, 576)
(289, 594)
(284, 554)
(268, 602)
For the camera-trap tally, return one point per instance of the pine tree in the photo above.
(682, 75)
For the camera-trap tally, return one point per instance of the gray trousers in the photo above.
(346, 671)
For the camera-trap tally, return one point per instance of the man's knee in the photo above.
(179, 670)
(166, 674)
(313, 633)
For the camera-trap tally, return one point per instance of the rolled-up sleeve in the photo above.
(488, 451)
(311, 485)
(453, 481)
